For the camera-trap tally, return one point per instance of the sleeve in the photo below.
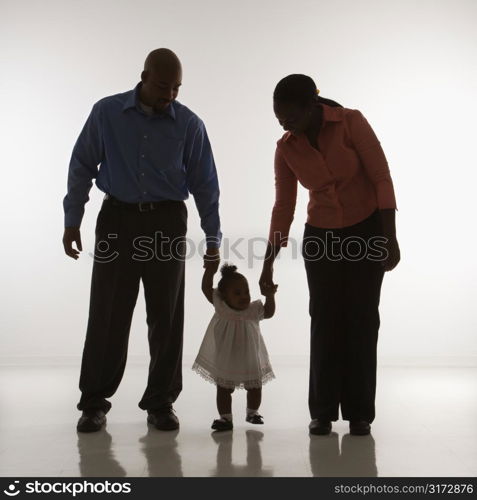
(285, 201)
(87, 154)
(257, 310)
(202, 182)
(372, 158)
(217, 301)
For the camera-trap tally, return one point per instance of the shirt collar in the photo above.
(330, 114)
(132, 101)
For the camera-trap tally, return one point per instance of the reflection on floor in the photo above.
(425, 426)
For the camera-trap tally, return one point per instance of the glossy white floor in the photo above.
(426, 426)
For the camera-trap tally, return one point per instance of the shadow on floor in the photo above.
(225, 466)
(357, 457)
(96, 457)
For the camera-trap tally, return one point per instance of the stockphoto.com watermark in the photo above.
(312, 248)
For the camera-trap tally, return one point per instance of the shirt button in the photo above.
(142, 156)
(144, 192)
(145, 137)
(142, 173)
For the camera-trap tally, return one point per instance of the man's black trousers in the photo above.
(132, 245)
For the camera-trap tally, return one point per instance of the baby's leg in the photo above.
(254, 398)
(224, 400)
(224, 405)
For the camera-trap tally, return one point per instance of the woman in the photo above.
(349, 242)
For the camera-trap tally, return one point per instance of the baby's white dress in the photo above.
(233, 353)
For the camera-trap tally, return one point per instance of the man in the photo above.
(152, 152)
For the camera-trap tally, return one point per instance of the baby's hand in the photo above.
(268, 290)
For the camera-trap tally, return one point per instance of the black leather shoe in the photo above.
(222, 424)
(163, 419)
(91, 421)
(254, 419)
(320, 427)
(359, 427)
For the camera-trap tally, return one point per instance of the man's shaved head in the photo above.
(162, 59)
(161, 79)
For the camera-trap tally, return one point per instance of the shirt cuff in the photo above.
(213, 241)
(73, 220)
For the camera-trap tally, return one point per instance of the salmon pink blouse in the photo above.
(347, 179)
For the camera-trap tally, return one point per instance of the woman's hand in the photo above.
(269, 291)
(266, 279)
(394, 254)
(269, 306)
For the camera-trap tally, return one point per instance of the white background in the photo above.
(409, 66)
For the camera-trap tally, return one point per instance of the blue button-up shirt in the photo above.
(138, 157)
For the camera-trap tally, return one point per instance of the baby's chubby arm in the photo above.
(269, 306)
(208, 283)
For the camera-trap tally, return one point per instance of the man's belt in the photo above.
(144, 206)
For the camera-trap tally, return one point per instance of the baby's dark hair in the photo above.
(301, 90)
(229, 275)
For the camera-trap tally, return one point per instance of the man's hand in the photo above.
(394, 254)
(72, 234)
(212, 259)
